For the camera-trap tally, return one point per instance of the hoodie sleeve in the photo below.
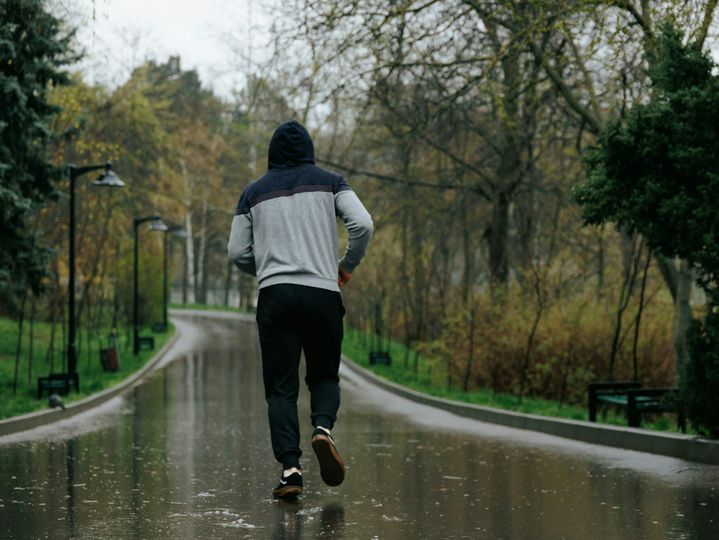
(240, 248)
(358, 223)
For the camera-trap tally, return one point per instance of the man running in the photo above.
(285, 232)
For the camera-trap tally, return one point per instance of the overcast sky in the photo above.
(212, 36)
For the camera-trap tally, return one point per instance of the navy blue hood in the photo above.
(290, 146)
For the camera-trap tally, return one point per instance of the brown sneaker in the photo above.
(289, 487)
(332, 468)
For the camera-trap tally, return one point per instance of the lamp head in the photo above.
(108, 178)
(158, 225)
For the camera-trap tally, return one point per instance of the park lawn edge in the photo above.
(76, 403)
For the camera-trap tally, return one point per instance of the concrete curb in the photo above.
(40, 418)
(688, 447)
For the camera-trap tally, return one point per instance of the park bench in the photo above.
(59, 383)
(380, 357)
(635, 400)
(146, 342)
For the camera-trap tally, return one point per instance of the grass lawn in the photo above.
(92, 378)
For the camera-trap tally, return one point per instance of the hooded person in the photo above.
(285, 233)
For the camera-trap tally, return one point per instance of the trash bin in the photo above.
(110, 357)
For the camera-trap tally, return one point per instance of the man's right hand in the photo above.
(343, 276)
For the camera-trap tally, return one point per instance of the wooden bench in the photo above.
(380, 357)
(145, 342)
(613, 393)
(57, 383)
(635, 401)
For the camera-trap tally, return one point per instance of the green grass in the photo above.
(430, 379)
(92, 378)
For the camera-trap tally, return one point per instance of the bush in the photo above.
(700, 380)
(570, 349)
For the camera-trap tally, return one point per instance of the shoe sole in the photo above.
(287, 492)
(332, 468)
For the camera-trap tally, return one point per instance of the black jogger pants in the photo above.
(291, 319)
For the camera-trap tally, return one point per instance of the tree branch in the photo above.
(395, 180)
(638, 17)
(706, 22)
(586, 115)
(585, 73)
(669, 273)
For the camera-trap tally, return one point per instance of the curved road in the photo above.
(186, 455)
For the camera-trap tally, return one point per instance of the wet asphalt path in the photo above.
(186, 455)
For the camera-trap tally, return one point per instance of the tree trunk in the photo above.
(600, 263)
(245, 286)
(228, 283)
(679, 281)
(467, 271)
(570, 354)
(116, 288)
(31, 336)
(631, 263)
(406, 298)
(638, 320)
(56, 311)
(188, 293)
(63, 328)
(189, 284)
(524, 214)
(528, 350)
(419, 278)
(50, 356)
(682, 314)
(509, 169)
(18, 348)
(88, 337)
(184, 277)
(496, 235)
(201, 256)
(470, 348)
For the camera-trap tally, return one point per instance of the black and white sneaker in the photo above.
(332, 468)
(289, 487)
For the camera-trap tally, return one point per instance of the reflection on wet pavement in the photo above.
(187, 455)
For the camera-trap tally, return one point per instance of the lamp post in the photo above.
(179, 231)
(157, 225)
(108, 178)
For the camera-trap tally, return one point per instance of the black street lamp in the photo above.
(179, 231)
(108, 178)
(156, 225)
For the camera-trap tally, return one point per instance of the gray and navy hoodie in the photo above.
(285, 226)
